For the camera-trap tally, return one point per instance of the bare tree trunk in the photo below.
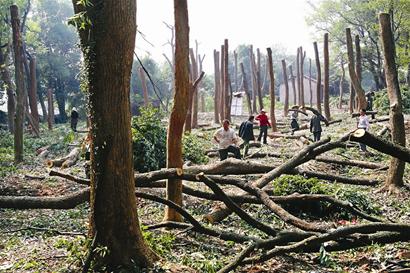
(226, 81)
(217, 89)
(341, 84)
(235, 55)
(272, 90)
(8, 85)
(326, 106)
(245, 87)
(188, 119)
(144, 86)
(285, 82)
(194, 72)
(222, 93)
(318, 79)
(253, 79)
(50, 104)
(310, 83)
(292, 78)
(258, 78)
(396, 169)
(302, 87)
(33, 93)
(353, 77)
(358, 66)
(202, 102)
(43, 106)
(20, 87)
(298, 76)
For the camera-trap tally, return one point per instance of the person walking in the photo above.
(74, 119)
(294, 125)
(363, 123)
(316, 127)
(246, 133)
(227, 140)
(263, 125)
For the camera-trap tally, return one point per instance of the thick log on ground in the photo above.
(335, 178)
(66, 161)
(383, 131)
(379, 120)
(285, 136)
(36, 202)
(381, 145)
(356, 163)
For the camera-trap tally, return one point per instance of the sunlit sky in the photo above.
(262, 23)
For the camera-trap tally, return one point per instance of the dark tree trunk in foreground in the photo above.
(272, 90)
(33, 93)
(326, 106)
(108, 46)
(180, 107)
(19, 78)
(6, 78)
(318, 78)
(361, 99)
(285, 81)
(216, 88)
(396, 168)
(246, 89)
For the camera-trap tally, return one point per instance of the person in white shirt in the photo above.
(227, 140)
(363, 123)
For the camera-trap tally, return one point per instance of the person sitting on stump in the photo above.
(263, 125)
(227, 140)
(246, 133)
(74, 119)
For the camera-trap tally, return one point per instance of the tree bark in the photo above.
(258, 78)
(298, 76)
(227, 94)
(217, 86)
(144, 86)
(50, 104)
(272, 90)
(361, 99)
(6, 78)
(326, 106)
(108, 44)
(235, 56)
(292, 77)
(285, 82)
(221, 86)
(194, 72)
(252, 67)
(318, 78)
(341, 84)
(20, 87)
(302, 85)
(246, 89)
(396, 168)
(33, 93)
(310, 83)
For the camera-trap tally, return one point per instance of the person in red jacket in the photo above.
(263, 125)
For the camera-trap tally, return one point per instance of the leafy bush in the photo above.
(357, 199)
(193, 149)
(149, 140)
(381, 100)
(289, 184)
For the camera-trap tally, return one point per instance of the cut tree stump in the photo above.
(66, 161)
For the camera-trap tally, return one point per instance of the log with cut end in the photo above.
(381, 145)
(66, 161)
(356, 163)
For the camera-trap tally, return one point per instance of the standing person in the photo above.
(363, 123)
(74, 119)
(263, 125)
(246, 133)
(227, 140)
(294, 125)
(316, 127)
(369, 99)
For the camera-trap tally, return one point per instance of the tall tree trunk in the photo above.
(326, 106)
(353, 77)
(285, 82)
(272, 90)
(226, 81)
(180, 107)
(302, 86)
(188, 119)
(235, 55)
(194, 71)
(310, 83)
(19, 78)
(61, 99)
(298, 77)
(222, 93)
(358, 64)
(217, 89)
(318, 79)
(8, 85)
(50, 104)
(341, 84)
(202, 102)
(143, 86)
(292, 78)
(42, 104)
(253, 79)
(33, 93)
(245, 87)
(258, 78)
(108, 45)
(396, 169)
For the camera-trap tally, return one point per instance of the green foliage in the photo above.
(160, 243)
(358, 200)
(381, 101)
(193, 149)
(149, 140)
(289, 184)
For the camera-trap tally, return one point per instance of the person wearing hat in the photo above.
(263, 125)
(74, 119)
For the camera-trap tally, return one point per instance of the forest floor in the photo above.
(45, 240)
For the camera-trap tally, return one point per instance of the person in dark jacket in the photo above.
(316, 127)
(294, 125)
(74, 119)
(246, 133)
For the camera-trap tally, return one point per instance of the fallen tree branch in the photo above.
(356, 163)
(65, 161)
